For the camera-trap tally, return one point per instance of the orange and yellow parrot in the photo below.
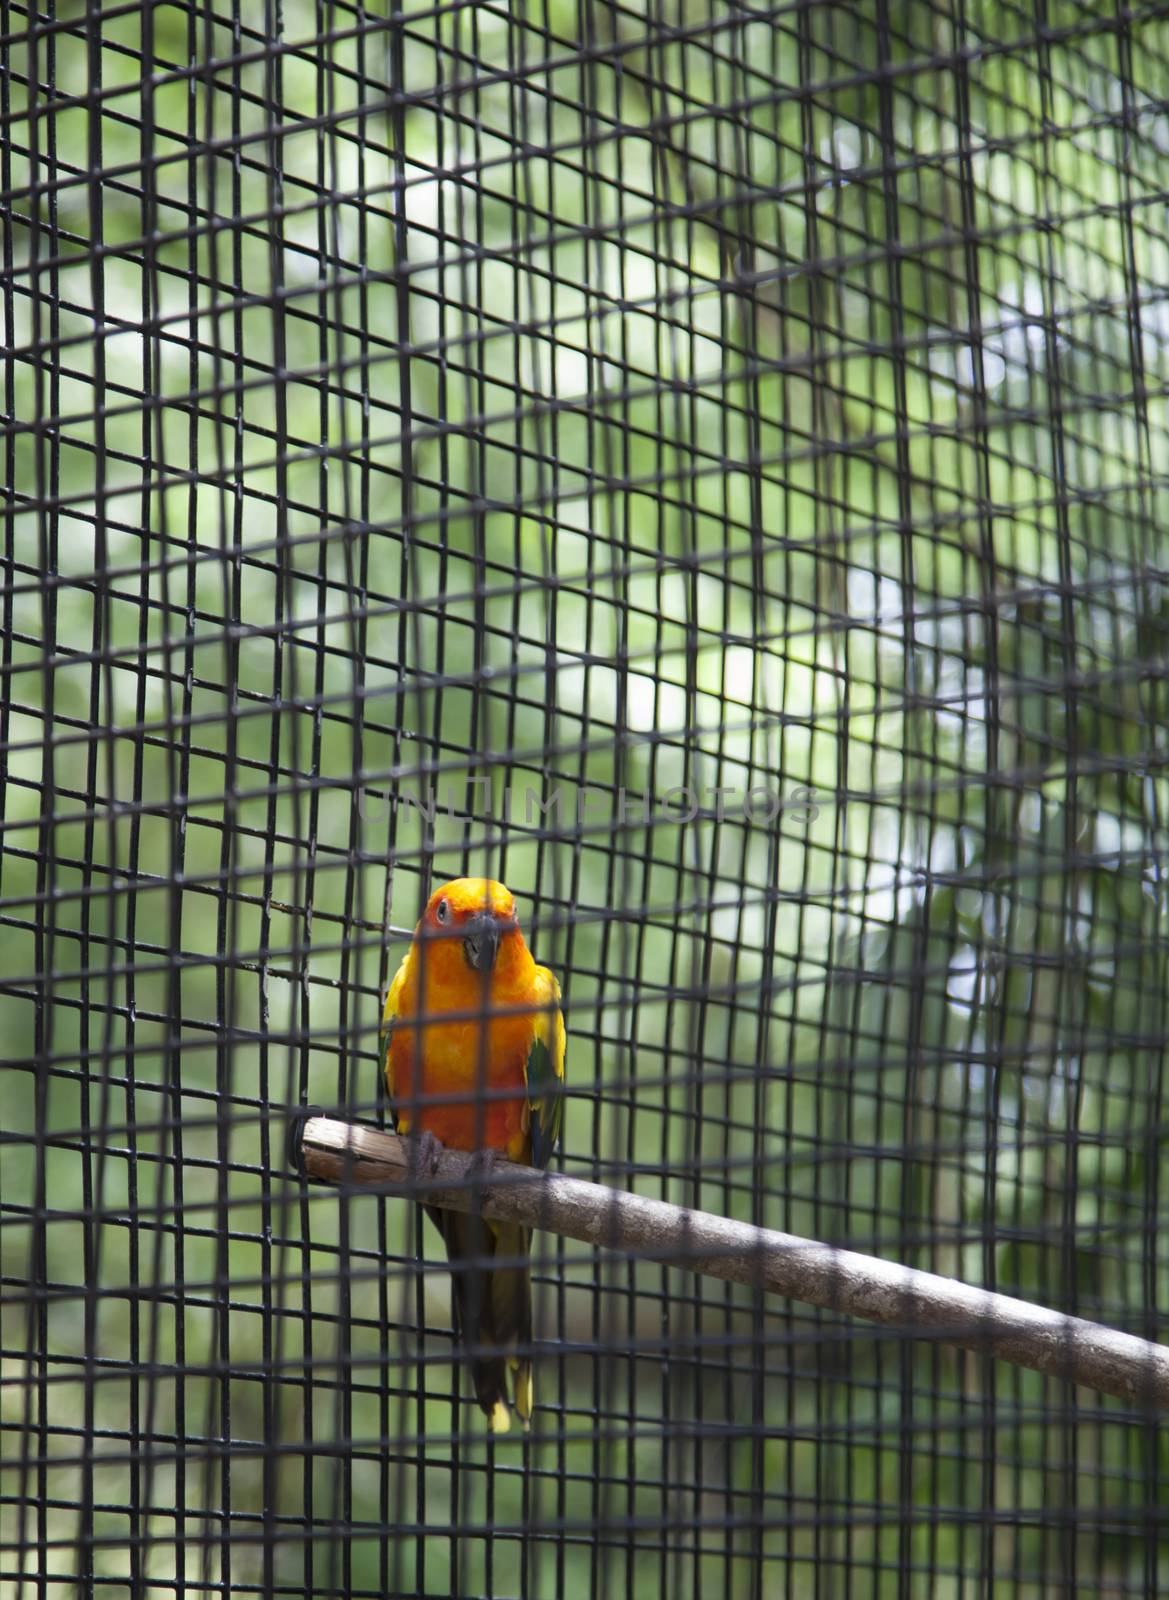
(469, 1017)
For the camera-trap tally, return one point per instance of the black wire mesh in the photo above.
(704, 466)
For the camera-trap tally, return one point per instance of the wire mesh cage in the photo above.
(702, 466)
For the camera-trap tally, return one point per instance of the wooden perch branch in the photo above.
(927, 1305)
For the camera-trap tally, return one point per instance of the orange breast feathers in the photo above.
(462, 1033)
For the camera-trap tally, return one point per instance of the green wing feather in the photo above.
(389, 1017)
(545, 1071)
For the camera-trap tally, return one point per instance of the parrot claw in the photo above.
(425, 1151)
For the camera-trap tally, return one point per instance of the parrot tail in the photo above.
(492, 1309)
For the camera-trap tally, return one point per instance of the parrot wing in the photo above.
(385, 1033)
(544, 1071)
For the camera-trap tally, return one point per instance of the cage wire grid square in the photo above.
(704, 466)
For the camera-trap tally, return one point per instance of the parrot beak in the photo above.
(481, 936)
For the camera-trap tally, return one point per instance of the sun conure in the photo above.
(469, 1011)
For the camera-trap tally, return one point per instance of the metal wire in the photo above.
(703, 466)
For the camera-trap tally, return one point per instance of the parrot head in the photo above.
(468, 926)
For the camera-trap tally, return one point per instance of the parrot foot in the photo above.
(481, 1167)
(425, 1151)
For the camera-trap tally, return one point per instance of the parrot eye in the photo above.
(442, 911)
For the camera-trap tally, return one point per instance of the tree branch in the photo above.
(924, 1303)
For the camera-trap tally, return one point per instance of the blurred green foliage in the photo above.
(585, 399)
